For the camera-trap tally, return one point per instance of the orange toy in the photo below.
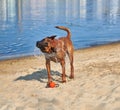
(52, 84)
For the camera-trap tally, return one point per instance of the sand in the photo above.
(96, 85)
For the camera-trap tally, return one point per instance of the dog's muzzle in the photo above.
(41, 45)
(37, 44)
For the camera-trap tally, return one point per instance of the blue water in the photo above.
(23, 22)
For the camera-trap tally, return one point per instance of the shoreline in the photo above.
(32, 55)
(7, 64)
(96, 85)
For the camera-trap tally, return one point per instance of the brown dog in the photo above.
(56, 50)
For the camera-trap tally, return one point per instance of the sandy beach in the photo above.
(96, 85)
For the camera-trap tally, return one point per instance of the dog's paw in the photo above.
(63, 81)
(71, 77)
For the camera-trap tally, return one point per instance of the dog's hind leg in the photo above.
(72, 68)
(71, 65)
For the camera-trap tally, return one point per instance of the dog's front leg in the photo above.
(63, 71)
(48, 70)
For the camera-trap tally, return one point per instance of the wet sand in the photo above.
(96, 85)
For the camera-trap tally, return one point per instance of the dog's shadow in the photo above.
(40, 75)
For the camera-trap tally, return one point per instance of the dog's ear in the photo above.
(52, 37)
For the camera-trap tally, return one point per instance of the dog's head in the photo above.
(46, 45)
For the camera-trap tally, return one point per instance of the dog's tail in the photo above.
(65, 29)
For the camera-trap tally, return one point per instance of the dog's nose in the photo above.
(37, 43)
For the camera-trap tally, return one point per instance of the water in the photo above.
(23, 22)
